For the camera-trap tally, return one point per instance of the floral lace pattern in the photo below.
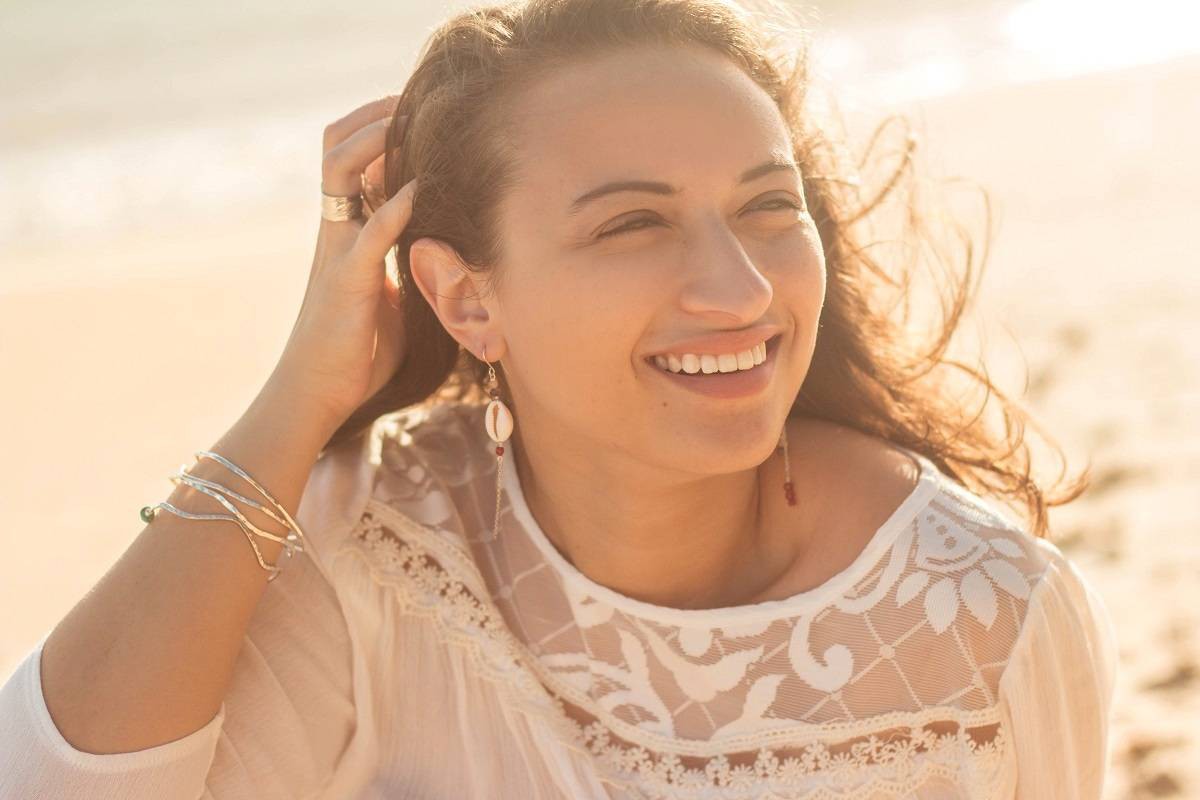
(879, 681)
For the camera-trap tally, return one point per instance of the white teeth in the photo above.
(707, 363)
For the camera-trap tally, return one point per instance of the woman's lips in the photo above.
(727, 385)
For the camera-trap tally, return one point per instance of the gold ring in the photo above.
(340, 209)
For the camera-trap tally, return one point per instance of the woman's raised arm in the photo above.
(144, 662)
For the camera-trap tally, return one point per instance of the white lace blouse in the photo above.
(956, 657)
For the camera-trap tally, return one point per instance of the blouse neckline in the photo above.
(811, 599)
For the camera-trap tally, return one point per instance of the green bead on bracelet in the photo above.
(147, 513)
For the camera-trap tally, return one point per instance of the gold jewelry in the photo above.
(337, 208)
(293, 541)
(498, 422)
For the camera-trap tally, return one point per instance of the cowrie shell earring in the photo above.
(498, 421)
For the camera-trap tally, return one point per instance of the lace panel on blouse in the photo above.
(878, 687)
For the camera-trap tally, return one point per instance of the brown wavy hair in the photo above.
(876, 368)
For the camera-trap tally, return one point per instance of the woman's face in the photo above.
(581, 304)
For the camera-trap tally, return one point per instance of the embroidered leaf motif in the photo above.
(979, 596)
(910, 587)
(1006, 547)
(639, 691)
(635, 656)
(701, 682)
(941, 604)
(758, 699)
(1007, 577)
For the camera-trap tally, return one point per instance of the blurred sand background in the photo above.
(158, 185)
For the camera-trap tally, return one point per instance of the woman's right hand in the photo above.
(348, 339)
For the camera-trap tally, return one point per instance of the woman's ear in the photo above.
(454, 294)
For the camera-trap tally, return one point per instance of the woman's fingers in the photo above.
(343, 166)
(348, 336)
(340, 130)
(342, 169)
(338, 164)
(365, 261)
(361, 271)
(356, 249)
(373, 184)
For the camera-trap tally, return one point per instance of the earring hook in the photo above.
(491, 376)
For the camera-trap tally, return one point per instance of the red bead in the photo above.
(499, 450)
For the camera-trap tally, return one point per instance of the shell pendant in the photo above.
(498, 421)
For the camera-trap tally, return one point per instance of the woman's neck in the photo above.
(696, 544)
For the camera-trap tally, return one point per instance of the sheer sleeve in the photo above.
(1057, 688)
(288, 718)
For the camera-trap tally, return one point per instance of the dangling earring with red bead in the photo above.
(789, 491)
(498, 421)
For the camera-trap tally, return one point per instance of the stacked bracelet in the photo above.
(294, 540)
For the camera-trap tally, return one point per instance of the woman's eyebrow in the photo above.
(775, 164)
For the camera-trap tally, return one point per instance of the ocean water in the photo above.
(121, 117)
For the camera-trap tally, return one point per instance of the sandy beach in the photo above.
(1092, 286)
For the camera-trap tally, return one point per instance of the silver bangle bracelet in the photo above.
(294, 539)
(291, 523)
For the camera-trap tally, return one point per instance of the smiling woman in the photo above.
(738, 551)
(631, 181)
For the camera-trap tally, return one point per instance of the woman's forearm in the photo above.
(147, 655)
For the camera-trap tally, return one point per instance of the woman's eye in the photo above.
(786, 203)
(626, 227)
(637, 223)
